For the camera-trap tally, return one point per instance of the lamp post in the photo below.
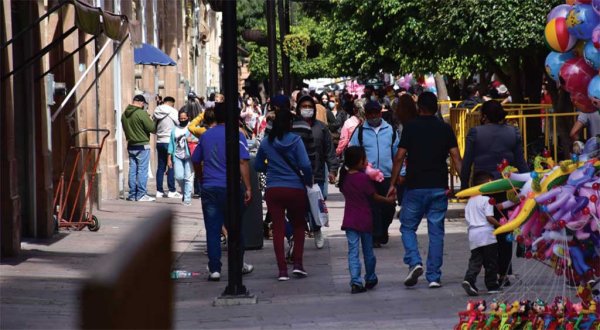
(284, 29)
(235, 293)
(271, 46)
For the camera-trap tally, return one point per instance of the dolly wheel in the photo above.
(96, 225)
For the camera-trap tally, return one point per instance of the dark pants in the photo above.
(162, 151)
(280, 200)
(505, 248)
(383, 214)
(486, 256)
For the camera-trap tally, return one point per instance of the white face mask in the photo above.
(307, 113)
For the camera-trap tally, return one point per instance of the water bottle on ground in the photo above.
(177, 274)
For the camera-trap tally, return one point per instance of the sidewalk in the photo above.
(40, 288)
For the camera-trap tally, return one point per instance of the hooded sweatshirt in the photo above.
(137, 126)
(166, 117)
(269, 159)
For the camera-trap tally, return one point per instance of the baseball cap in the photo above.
(502, 89)
(191, 95)
(140, 98)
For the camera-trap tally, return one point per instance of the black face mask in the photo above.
(183, 123)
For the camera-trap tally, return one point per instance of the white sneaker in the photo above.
(174, 194)
(214, 277)
(160, 194)
(435, 285)
(319, 239)
(247, 269)
(146, 198)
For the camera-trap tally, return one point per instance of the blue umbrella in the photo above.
(150, 55)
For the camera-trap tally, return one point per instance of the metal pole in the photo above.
(235, 286)
(271, 47)
(283, 11)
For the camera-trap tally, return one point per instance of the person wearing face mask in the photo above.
(179, 157)
(339, 118)
(137, 126)
(380, 141)
(166, 117)
(487, 146)
(324, 154)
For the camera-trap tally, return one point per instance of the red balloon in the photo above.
(596, 186)
(575, 75)
(582, 102)
(593, 198)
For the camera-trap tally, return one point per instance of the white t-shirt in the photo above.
(592, 121)
(481, 232)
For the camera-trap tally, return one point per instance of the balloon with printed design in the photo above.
(591, 54)
(594, 91)
(581, 21)
(557, 35)
(554, 61)
(559, 11)
(596, 6)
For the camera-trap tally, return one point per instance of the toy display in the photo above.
(555, 219)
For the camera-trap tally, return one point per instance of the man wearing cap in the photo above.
(137, 126)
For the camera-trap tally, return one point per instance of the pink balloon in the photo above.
(374, 174)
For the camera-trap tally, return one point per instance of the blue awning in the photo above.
(150, 55)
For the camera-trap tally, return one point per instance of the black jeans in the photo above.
(382, 213)
(505, 248)
(488, 257)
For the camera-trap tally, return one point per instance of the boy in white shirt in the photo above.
(479, 214)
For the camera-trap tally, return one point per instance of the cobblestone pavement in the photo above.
(40, 288)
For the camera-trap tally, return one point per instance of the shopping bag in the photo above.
(317, 205)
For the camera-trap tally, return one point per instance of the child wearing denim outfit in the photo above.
(179, 157)
(359, 192)
(479, 214)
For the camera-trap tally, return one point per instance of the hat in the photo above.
(191, 95)
(140, 98)
(280, 101)
(502, 89)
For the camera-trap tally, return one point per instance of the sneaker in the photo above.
(495, 290)
(504, 281)
(289, 255)
(174, 194)
(146, 198)
(214, 277)
(470, 289)
(356, 288)
(371, 284)
(247, 269)
(435, 285)
(186, 203)
(299, 272)
(319, 239)
(195, 195)
(131, 199)
(283, 276)
(413, 275)
(160, 194)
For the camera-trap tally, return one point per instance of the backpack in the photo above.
(360, 137)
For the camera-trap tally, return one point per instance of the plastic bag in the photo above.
(317, 205)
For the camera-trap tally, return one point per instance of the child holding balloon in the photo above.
(359, 191)
(479, 214)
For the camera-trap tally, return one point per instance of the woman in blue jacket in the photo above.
(284, 159)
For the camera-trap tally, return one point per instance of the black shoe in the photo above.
(384, 239)
(504, 281)
(413, 275)
(376, 245)
(299, 272)
(494, 290)
(358, 289)
(371, 284)
(470, 289)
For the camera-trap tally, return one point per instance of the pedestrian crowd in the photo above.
(307, 141)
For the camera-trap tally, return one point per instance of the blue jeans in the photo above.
(366, 240)
(184, 176)
(417, 203)
(214, 205)
(138, 172)
(162, 151)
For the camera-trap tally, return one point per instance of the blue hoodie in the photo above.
(279, 174)
(380, 152)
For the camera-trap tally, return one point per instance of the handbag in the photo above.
(316, 202)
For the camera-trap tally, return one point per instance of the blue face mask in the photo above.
(373, 98)
(331, 105)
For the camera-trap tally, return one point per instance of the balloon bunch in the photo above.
(573, 33)
(525, 314)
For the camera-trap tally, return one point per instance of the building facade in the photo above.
(69, 65)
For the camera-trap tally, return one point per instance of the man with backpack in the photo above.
(380, 141)
(166, 117)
